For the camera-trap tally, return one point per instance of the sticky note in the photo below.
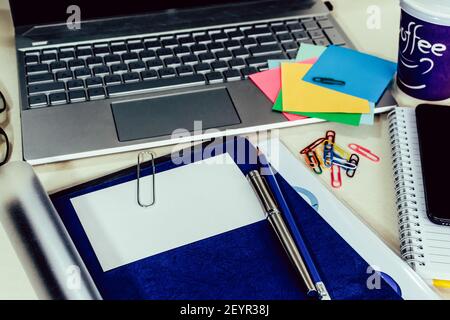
(352, 119)
(275, 63)
(365, 76)
(301, 96)
(369, 118)
(269, 82)
(308, 51)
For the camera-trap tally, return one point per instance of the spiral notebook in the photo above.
(424, 245)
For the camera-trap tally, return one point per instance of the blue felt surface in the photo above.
(247, 263)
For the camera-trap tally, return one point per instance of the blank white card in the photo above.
(193, 203)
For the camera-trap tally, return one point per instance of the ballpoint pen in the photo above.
(270, 196)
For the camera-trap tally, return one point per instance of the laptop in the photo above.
(100, 77)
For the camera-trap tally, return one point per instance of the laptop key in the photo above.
(199, 48)
(325, 23)
(265, 49)
(82, 73)
(46, 87)
(288, 46)
(207, 57)
(136, 47)
(49, 57)
(155, 64)
(31, 60)
(76, 63)
(204, 38)
(149, 74)
(64, 75)
(232, 44)
(322, 42)
(237, 63)
(236, 35)
(101, 70)
(185, 70)
(220, 37)
(119, 49)
(202, 68)
(190, 59)
(75, 84)
(260, 31)
(130, 57)
(112, 59)
(181, 51)
(298, 35)
(147, 55)
(38, 68)
(224, 55)
(57, 98)
(153, 44)
(157, 84)
(66, 55)
(316, 34)
(262, 60)
(246, 72)
(113, 79)
(164, 53)
(284, 37)
(295, 27)
(310, 25)
(39, 78)
(232, 75)
(94, 82)
(280, 29)
(137, 66)
(119, 68)
(215, 46)
(241, 53)
(38, 101)
(172, 62)
(189, 40)
(96, 93)
(249, 42)
(77, 96)
(58, 66)
(334, 37)
(101, 51)
(94, 61)
(219, 65)
(167, 72)
(267, 39)
(215, 77)
(131, 77)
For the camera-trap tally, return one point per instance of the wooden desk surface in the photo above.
(370, 195)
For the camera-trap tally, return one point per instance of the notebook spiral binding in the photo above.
(405, 190)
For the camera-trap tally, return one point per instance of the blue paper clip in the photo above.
(328, 149)
(344, 164)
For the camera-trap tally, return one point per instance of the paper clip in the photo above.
(313, 146)
(366, 153)
(329, 81)
(328, 149)
(313, 161)
(336, 178)
(344, 164)
(355, 160)
(141, 159)
(340, 152)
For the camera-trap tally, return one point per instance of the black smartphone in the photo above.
(433, 128)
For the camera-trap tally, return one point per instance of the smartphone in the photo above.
(433, 128)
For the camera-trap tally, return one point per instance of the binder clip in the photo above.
(140, 161)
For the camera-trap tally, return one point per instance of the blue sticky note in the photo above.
(369, 118)
(365, 76)
(276, 63)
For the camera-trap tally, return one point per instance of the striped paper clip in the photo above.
(366, 153)
(336, 178)
(344, 164)
(312, 160)
(328, 147)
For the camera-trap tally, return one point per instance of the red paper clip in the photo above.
(336, 178)
(313, 146)
(366, 153)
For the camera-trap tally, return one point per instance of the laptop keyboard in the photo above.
(110, 69)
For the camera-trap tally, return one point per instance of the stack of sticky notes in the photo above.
(335, 84)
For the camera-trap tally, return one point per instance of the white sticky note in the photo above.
(193, 203)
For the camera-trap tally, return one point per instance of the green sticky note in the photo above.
(353, 119)
(309, 51)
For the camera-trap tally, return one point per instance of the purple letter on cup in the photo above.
(424, 60)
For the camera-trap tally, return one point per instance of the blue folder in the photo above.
(248, 263)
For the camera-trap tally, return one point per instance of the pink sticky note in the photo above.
(269, 82)
(293, 117)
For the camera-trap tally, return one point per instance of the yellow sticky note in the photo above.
(302, 96)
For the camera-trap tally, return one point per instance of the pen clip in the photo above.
(329, 81)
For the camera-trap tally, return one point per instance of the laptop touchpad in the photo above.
(160, 116)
